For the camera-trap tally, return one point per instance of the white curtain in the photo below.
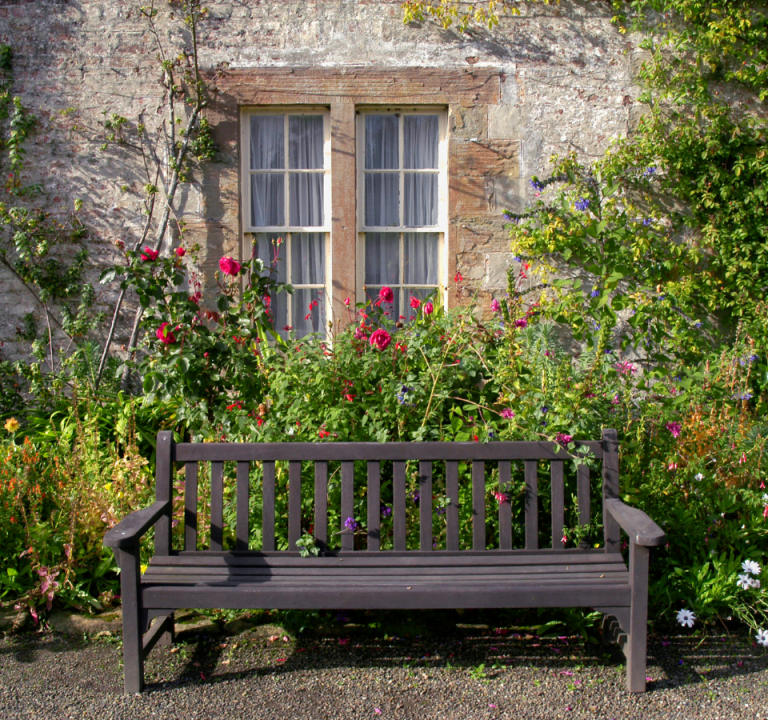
(267, 142)
(308, 258)
(420, 142)
(382, 145)
(267, 200)
(305, 142)
(306, 199)
(382, 199)
(420, 259)
(420, 200)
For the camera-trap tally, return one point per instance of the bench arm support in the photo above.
(633, 521)
(128, 531)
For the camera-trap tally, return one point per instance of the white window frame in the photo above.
(287, 230)
(441, 228)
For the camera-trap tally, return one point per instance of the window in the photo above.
(402, 204)
(287, 185)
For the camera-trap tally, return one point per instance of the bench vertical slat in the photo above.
(294, 503)
(531, 505)
(558, 504)
(321, 502)
(217, 505)
(582, 491)
(163, 489)
(242, 529)
(398, 505)
(478, 505)
(374, 505)
(268, 506)
(610, 487)
(347, 503)
(452, 510)
(505, 507)
(425, 505)
(190, 506)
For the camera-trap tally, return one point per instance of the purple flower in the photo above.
(563, 439)
(521, 323)
(386, 511)
(416, 497)
(650, 171)
(350, 524)
(495, 306)
(674, 428)
(595, 293)
(647, 222)
(582, 204)
(536, 184)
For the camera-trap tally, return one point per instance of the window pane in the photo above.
(308, 320)
(306, 199)
(420, 199)
(267, 142)
(266, 247)
(382, 197)
(305, 141)
(420, 141)
(421, 258)
(308, 259)
(382, 145)
(267, 200)
(382, 258)
(391, 310)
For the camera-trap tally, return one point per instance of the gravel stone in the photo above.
(469, 674)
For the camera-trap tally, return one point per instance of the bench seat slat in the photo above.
(390, 558)
(307, 595)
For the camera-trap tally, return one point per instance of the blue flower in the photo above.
(582, 204)
(517, 258)
(650, 171)
(647, 222)
(544, 409)
(595, 293)
(350, 523)
(697, 324)
(753, 358)
(537, 185)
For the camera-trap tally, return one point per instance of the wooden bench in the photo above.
(373, 578)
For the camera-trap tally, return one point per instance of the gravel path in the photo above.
(250, 676)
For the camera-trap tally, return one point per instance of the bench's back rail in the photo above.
(346, 454)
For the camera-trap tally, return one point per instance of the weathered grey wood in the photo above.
(128, 531)
(610, 487)
(374, 505)
(294, 503)
(633, 521)
(242, 528)
(162, 627)
(505, 506)
(133, 653)
(163, 489)
(304, 596)
(638, 621)
(398, 506)
(583, 497)
(190, 506)
(321, 503)
(347, 504)
(452, 509)
(402, 451)
(478, 505)
(531, 505)
(268, 506)
(217, 506)
(425, 505)
(558, 504)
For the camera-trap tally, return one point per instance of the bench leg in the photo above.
(168, 637)
(636, 648)
(133, 651)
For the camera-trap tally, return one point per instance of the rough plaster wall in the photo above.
(567, 85)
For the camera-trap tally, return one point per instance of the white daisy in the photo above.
(699, 477)
(755, 583)
(744, 581)
(686, 617)
(762, 638)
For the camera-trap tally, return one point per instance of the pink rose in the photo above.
(229, 266)
(386, 295)
(180, 252)
(428, 309)
(380, 339)
(415, 302)
(346, 302)
(507, 413)
(165, 336)
(149, 255)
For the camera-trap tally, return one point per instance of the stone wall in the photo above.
(555, 79)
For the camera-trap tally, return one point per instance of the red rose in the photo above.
(229, 266)
(380, 339)
(180, 252)
(386, 295)
(428, 309)
(165, 336)
(149, 255)
(415, 302)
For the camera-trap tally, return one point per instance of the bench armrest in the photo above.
(128, 531)
(633, 521)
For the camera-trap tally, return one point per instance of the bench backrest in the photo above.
(346, 454)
